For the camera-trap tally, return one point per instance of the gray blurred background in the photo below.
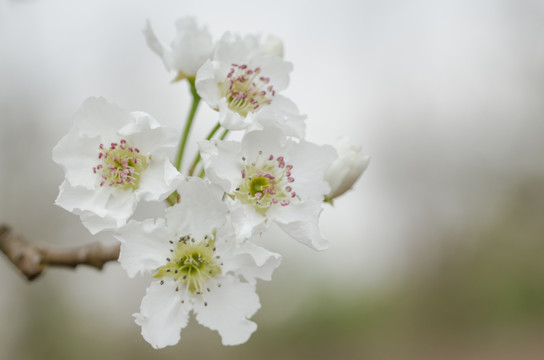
(436, 254)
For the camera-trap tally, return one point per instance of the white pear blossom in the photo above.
(197, 267)
(191, 47)
(244, 78)
(271, 178)
(111, 160)
(347, 168)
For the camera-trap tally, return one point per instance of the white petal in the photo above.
(78, 199)
(251, 261)
(272, 45)
(186, 24)
(95, 223)
(97, 117)
(252, 42)
(232, 49)
(77, 155)
(191, 47)
(310, 162)
(300, 221)
(223, 163)
(271, 141)
(162, 316)
(200, 210)
(158, 180)
(207, 149)
(246, 221)
(121, 205)
(282, 113)
(147, 134)
(97, 216)
(229, 308)
(275, 68)
(154, 43)
(206, 82)
(345, 170)
(145, 246)
(230, 119)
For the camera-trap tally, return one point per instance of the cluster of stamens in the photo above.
(191, 264)
(121, 165)
(266, 182)
(246, 91)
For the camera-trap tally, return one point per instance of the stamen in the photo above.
(245, 90)
(192, 264)
(264, 182)
(120, 167)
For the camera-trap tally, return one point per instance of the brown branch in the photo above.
(31, 259)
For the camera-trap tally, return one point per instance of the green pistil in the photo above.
(258, 185)
(191, 264)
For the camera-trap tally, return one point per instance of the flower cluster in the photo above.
(201, 250)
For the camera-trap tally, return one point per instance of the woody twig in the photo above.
(31, 259)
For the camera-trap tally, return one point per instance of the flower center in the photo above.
(121, 165)
(246, 91)
(192, 264)
(265, 182)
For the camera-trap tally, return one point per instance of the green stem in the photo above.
(223, 136)
(188, 124)
(197, 157)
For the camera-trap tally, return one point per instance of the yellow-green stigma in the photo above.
(191, 264)
(121, 165)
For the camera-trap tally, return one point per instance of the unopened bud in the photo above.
(272, 45)
(346, 169)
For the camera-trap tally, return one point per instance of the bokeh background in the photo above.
(438, 251)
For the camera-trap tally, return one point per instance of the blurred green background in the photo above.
(438, 252)
(479, 298)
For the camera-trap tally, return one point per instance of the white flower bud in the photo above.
(347, 168)
(190, 48)
(272, 46)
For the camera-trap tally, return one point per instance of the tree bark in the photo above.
(31, 259)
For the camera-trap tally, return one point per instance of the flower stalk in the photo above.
(188, 124)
